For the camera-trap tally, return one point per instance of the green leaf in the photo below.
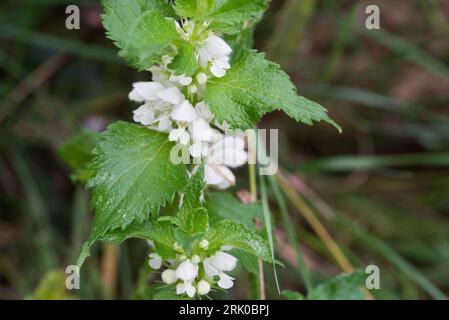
(240, 41)
(248, 260)
(161, 233)
(168, 294)
(254, 87)
(187, 241)
(223, 205)
(238, 235)
(232, 16)
(193, 221)
(52, 286)
(194, 191)
(120, 15)
(342, 287)
(292, 295)
(151, 35)
(133, 177)
(193, 8)
(77, 152)
(185, 62)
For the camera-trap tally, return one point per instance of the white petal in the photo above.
(155, 261)
(172, 95)
(209, 269)
(180, 288)
(219, 176)
(225, 282)
(175, 134)
(164, 123)
(187, 271)
(185, 81)
(204, 57)
(190, 290)
(184, 138)
(212, 176)
(184, 112)
(148, 90)
(216, 46)
(217, 70)
(223, 261)
(203, 111)
(201, 130)
(195, 149)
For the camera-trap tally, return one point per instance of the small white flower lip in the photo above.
(219, 176)
(225, 282)
(172, 95)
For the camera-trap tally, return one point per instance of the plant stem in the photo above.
(253, 190)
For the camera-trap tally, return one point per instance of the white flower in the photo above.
(203, 111)
(186, 287)
(228, 151)
(219, 176)
(223, 261)
(172, 95)
(145, 91)
(155, 261)
(216, 51)
(184, 112)
(187, 271)
(203, 287)
(179, 135)
(169, 276)
(144, 115)
(182, 79)
(217, 264)
(200, 130)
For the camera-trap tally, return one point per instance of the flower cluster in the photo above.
(198, 273)
(175, 104)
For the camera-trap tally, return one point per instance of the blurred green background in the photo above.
(380, 189)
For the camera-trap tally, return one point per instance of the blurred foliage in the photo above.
(380, 189)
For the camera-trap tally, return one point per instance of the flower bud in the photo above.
(201, 78)
(177, 247)
(169, 276)
(204, 244)
(196, 259)
(203, 287)
(155, 261)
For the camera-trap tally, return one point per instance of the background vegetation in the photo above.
(376, 194)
